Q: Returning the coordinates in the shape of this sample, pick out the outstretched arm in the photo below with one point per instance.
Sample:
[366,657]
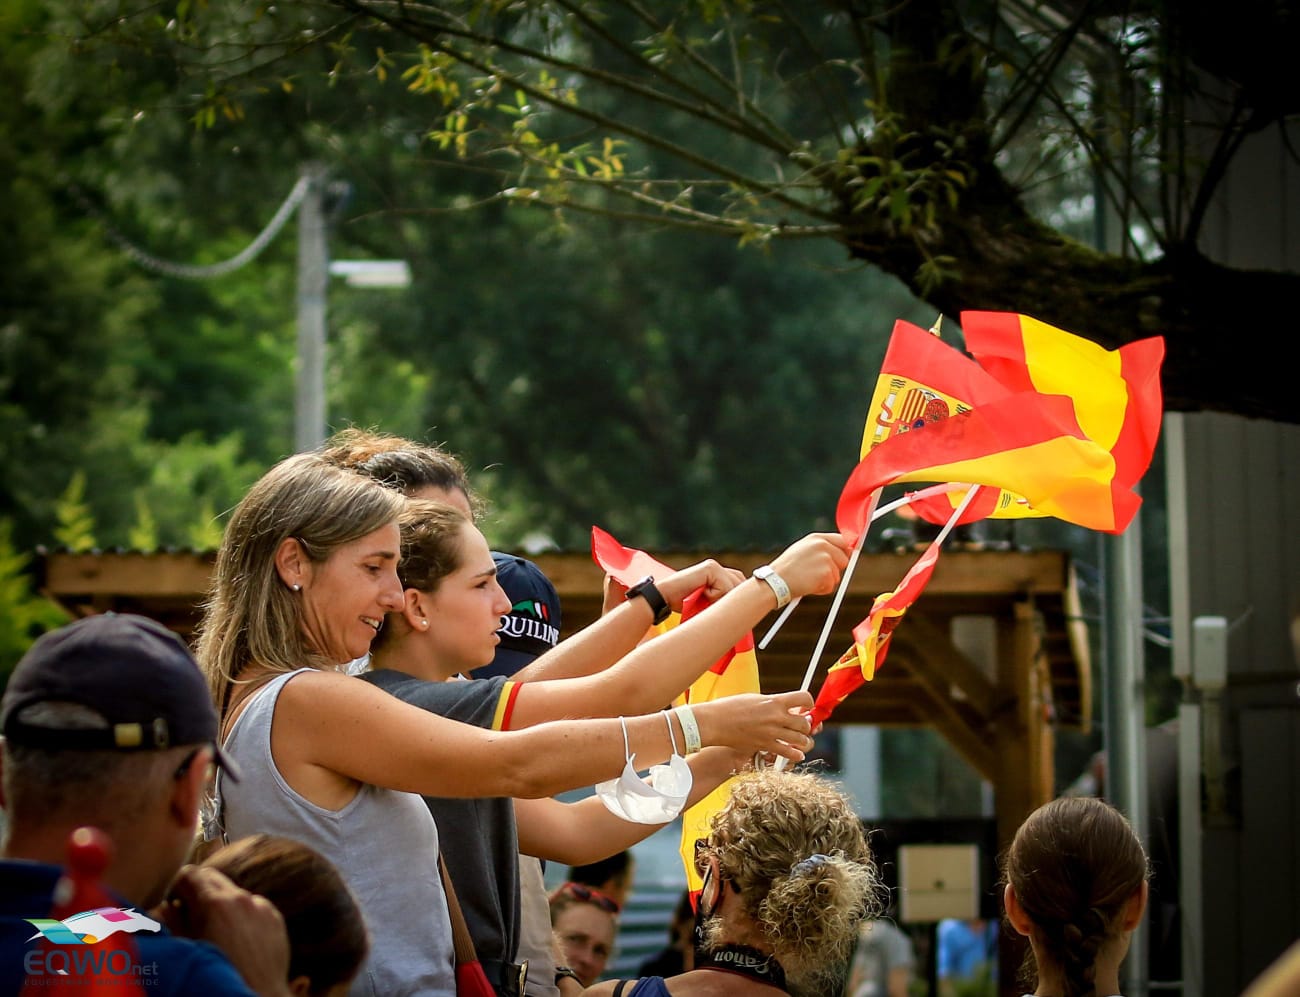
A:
[332,730]
[654,673]
[618,630]
[585,831]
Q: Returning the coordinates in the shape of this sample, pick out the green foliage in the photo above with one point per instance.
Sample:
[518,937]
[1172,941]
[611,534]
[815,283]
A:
[24,615]
[187,482]
[590,364]
[978,984]
[76,529]
[926,777]
[143,534]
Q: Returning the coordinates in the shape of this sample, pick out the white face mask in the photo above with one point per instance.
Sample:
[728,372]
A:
[658,798]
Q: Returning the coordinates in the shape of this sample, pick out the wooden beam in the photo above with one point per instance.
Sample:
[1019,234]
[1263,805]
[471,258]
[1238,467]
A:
[156,575]
[942,668]
[170,586]
[978,574]
[960,725]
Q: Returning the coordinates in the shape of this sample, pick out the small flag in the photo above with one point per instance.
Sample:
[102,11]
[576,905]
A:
[86,944]
[871,637]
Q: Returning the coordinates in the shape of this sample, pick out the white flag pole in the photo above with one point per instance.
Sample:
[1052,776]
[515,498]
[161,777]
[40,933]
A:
[839,593]
[848,570]
[884,510]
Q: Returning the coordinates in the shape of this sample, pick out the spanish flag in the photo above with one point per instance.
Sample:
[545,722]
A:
[871,637]
[735,672]
[1025,443]
[1117,398]
[936,416]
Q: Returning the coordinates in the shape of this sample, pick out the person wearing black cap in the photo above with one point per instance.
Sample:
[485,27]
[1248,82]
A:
[108,724]
[529,630]
[532,627]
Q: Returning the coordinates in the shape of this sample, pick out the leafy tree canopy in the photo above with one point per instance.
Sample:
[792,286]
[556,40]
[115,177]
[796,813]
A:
[925,137]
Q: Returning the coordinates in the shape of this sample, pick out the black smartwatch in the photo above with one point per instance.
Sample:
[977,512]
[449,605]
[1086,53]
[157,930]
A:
[647,590]
[562,971]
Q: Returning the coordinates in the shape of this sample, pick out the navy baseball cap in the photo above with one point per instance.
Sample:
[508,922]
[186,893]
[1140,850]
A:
[132,672]
[532,626]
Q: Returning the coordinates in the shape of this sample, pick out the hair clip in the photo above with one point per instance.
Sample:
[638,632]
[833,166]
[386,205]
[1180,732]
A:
[808,866]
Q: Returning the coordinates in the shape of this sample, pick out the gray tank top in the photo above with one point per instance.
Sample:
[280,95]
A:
[384,844]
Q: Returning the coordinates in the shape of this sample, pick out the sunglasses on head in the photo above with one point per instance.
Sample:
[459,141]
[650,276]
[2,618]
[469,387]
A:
[586,894]
[700,845]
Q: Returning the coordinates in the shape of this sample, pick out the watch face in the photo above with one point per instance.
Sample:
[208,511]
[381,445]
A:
[638,587]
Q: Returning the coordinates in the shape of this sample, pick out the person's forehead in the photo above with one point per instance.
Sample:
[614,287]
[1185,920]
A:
[453,497]
[588,921]
[473,545]
[385,541]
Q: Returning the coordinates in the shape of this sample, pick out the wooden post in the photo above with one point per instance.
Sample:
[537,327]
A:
[1023,745]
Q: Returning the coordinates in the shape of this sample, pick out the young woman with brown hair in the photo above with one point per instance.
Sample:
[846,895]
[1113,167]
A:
[1076,887]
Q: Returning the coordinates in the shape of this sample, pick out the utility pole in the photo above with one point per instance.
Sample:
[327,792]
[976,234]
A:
[1124,713]
[313,275]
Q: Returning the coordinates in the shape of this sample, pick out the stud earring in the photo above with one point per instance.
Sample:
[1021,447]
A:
[296,587]
[425,624]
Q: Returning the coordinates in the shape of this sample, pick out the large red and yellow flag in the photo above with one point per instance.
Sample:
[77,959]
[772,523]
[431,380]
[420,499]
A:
[1047,424]
[871,637]
[1116,394]
[937,416]
[1025,443]
[735,672]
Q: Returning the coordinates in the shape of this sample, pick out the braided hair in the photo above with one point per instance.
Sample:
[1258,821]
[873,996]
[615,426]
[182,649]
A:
[1074,864]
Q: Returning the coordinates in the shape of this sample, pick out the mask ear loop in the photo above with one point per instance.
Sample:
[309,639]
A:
[627,749]
[672,738]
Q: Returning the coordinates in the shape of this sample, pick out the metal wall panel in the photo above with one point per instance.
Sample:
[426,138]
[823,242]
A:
[1233,543]
[1270,815]
[1234,484]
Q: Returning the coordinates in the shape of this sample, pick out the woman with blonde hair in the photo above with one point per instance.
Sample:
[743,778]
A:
[1076,887]
[788,877]
[304,577]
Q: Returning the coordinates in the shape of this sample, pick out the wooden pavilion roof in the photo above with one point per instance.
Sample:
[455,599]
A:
[925,680]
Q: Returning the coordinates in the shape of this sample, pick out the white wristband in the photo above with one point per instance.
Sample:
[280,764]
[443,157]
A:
[690,729]
[779,588]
